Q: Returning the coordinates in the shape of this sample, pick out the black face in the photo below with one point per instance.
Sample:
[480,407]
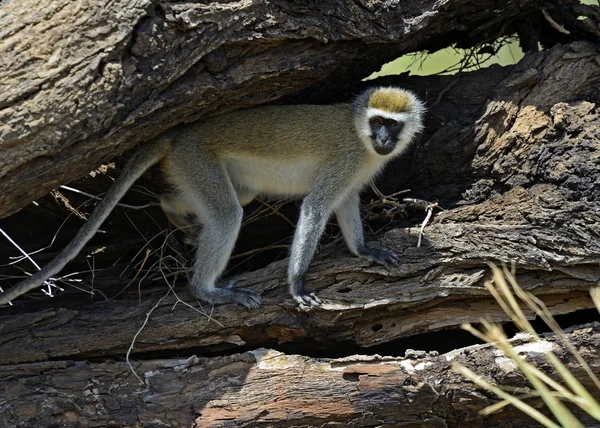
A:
[384,134]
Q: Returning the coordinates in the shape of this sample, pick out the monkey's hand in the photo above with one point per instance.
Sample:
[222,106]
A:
[385,257]
[228,294]
[306,299]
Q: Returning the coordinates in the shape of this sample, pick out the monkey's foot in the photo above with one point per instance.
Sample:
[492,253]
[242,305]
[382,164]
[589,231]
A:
[190,241]
[307,301]
[216,296]
[385,257]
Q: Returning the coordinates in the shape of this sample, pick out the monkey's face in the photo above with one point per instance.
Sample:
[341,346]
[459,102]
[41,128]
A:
[387,119]
[385,133]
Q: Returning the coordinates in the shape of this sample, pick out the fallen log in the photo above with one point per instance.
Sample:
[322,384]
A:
[510,154]
[519,178]
[266,387]
[80,83]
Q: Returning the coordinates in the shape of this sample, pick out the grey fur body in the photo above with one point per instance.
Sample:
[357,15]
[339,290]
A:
[215,167]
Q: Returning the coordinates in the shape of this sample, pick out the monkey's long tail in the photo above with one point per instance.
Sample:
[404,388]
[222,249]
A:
[149,154]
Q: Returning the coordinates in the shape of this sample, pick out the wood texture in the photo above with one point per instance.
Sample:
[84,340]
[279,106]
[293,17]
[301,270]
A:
[511,154]
[81,82]
[269,388]
[522,175]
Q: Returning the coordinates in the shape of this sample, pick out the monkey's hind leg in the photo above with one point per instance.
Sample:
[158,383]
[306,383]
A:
[208,189]
[181,215]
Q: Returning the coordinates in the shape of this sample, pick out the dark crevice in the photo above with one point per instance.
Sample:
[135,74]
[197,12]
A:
[441,341]
[351,377]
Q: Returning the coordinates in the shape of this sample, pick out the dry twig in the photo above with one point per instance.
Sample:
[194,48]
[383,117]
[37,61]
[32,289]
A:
[553,23]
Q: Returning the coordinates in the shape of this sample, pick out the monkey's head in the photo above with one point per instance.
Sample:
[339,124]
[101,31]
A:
[387,119]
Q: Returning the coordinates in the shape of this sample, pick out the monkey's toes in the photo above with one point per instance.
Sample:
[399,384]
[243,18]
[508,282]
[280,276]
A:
[246,297]
[307,301]
[231,284]
[242,296]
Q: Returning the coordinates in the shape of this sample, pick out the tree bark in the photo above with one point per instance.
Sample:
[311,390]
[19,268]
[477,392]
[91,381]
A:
[523,180]
[510,153]
[81,82]
[270,388]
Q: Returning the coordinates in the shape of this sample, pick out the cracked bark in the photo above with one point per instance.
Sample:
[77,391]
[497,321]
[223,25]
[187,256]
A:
[80,84]
[527,193]
[511,153]
[270,388]
[519,196]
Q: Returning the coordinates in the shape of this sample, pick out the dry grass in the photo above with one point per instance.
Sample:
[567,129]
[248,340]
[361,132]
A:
[510,296]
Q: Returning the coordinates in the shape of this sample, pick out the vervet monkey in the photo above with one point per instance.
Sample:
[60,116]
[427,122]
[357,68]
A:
[326,153]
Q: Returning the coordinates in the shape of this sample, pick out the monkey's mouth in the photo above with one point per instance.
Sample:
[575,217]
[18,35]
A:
[383,147]
[383,141]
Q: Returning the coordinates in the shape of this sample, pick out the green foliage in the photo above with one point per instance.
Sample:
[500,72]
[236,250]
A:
[505,51]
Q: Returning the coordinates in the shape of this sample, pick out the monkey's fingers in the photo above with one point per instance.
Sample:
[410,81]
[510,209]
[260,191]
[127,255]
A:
[390,258]
[386,257]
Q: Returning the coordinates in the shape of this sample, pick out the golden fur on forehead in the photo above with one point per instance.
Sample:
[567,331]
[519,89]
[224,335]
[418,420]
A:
[391,100]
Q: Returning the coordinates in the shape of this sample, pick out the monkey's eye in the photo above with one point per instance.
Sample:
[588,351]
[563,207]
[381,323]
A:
[392,123]
[377,121]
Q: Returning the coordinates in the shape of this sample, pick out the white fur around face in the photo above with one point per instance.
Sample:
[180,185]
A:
[400,117]
[413,124]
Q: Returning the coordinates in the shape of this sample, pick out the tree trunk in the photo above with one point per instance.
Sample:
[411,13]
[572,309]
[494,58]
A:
[523,179]
[81,83]
[510,153]
[269,388]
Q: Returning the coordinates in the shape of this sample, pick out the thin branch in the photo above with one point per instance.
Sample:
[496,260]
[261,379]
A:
[20,249]
[138,333]
[427,218]
[98,198]
[553,23]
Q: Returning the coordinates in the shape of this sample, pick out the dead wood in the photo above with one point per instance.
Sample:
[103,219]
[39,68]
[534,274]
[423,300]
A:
[520,180]
[269,388]
[82,82]
[510,153]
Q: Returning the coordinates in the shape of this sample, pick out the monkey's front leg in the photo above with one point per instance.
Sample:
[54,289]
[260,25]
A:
[314,213]
[348,216]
